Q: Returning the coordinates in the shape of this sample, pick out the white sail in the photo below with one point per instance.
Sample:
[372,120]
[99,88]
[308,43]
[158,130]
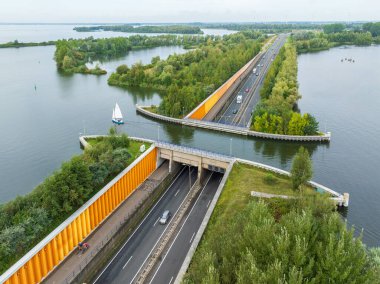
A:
[113,113]
[117,113]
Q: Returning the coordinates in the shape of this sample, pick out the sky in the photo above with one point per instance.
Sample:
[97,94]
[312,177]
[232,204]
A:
[127,11]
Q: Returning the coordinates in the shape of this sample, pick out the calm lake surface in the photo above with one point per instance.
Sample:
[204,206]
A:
[39,33]
[39,128]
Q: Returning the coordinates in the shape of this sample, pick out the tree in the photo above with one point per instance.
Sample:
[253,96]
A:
[333,28]
[301,170]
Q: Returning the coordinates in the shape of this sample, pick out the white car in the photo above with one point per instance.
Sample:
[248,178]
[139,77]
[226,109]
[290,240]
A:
[165,217]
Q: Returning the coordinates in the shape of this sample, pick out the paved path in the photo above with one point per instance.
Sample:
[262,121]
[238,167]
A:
[73,260]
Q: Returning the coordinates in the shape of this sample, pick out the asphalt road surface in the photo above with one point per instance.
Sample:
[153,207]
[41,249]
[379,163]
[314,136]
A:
[167,270]
[246,89]
[129,260]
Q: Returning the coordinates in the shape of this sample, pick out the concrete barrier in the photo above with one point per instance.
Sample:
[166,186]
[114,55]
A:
[325,137]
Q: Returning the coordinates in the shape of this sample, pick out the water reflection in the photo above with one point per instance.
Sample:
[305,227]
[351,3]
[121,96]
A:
[283,150]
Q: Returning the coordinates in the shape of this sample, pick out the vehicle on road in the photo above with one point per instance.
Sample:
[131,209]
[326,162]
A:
[239,99]
[254,70]
[234,111]
[165,217]
[257,74]
[247,90]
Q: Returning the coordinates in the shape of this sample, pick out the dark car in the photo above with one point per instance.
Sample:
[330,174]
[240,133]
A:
[165,217]
[234,111]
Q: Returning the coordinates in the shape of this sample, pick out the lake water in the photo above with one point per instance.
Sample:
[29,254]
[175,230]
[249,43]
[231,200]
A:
[39,33]
[39,128]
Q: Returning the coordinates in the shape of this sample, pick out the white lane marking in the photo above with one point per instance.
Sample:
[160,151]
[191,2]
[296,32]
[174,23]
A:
[179,230]
[176,193]
[192,237]
[208,203]
[171,279]
[127,261]
[155,223]
[159,238]
[138,227]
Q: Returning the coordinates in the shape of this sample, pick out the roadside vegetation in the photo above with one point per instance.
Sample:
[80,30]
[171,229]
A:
[72,55]
[300,240]
[336,35]
[27,219]
[189,78]
[164,29]
[275,113]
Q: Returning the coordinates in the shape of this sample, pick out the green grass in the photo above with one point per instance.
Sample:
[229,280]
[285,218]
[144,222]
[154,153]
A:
[152,109]
[246,178]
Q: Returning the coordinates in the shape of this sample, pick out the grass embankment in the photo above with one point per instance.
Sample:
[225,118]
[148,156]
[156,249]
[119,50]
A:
[245,178]
[275,240]
[27,219]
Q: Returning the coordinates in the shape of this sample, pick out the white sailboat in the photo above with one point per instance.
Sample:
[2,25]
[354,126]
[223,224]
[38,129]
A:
[117,117]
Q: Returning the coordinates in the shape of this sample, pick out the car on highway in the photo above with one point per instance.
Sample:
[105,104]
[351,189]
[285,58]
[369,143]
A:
[247,90]
[165,217]
[234,111]
[257,74]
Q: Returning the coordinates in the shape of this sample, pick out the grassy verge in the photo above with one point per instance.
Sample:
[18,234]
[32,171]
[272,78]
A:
[245,178]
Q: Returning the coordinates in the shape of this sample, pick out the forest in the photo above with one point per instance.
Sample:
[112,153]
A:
[26,220]
[189,78]
[72,55]
[335,35]
[279,95]
[297,241]
[164,29]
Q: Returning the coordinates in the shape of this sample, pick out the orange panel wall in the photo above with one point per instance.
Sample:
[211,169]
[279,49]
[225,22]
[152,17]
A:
[65,241]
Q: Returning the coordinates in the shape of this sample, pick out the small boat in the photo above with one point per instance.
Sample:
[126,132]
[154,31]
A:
[117,117]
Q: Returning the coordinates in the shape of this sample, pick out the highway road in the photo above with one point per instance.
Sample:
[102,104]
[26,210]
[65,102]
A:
[129,260]
[239,114]
[167,270]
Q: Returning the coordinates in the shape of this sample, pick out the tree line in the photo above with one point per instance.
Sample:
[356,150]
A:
[189,78]
[335,35]
[300,240]
[164,29]
[279,95]
[26,220]
[72,55]
[17,44]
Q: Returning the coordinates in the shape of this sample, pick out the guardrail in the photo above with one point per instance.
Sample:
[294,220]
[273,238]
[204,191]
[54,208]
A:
[325,137]
[193,151]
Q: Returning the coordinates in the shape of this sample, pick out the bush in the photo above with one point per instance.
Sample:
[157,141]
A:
[270,179]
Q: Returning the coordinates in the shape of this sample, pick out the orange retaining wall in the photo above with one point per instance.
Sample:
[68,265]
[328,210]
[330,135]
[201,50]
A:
[200,112]
[35,265]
